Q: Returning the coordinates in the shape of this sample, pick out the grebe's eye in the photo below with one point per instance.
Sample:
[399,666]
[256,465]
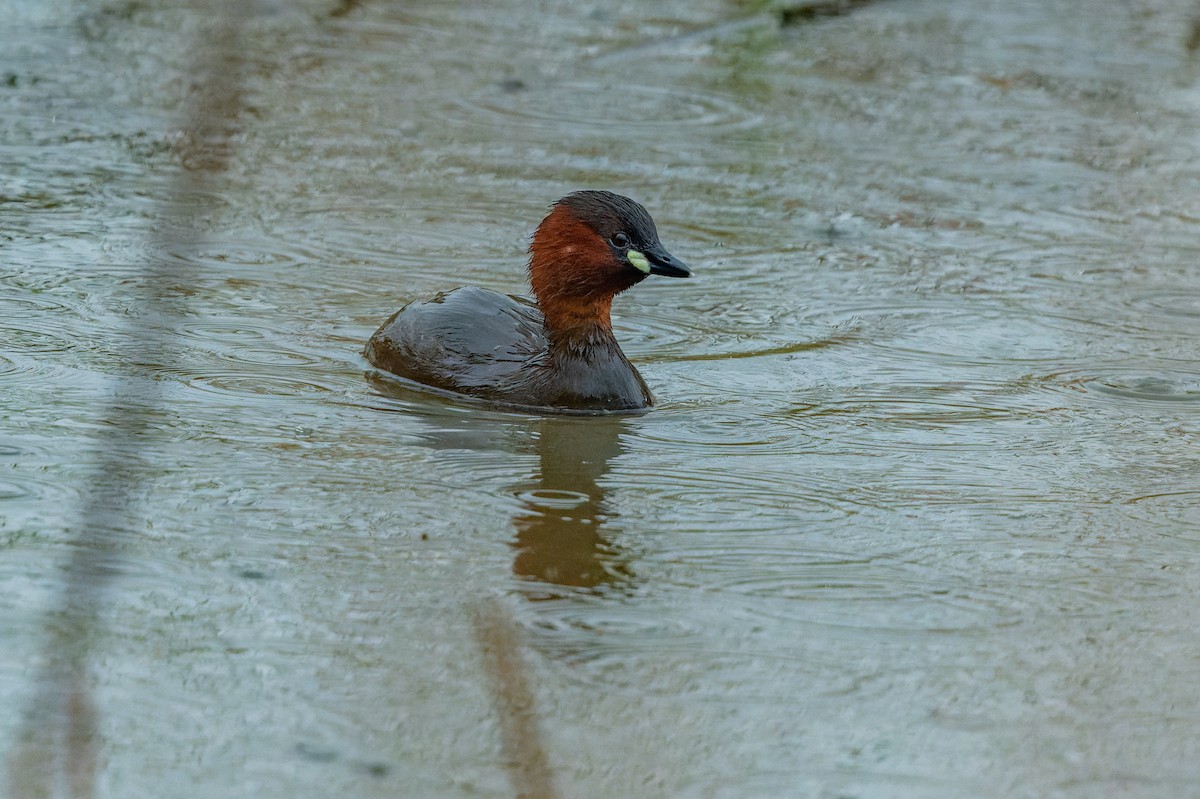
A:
[620,240]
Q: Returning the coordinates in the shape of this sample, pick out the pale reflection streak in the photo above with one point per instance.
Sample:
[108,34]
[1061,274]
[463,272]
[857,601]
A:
[56,750]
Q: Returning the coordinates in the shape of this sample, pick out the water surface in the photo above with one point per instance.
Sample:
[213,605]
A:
[917,512]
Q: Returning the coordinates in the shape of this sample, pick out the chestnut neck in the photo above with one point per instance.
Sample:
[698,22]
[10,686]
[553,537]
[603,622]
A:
[574,276]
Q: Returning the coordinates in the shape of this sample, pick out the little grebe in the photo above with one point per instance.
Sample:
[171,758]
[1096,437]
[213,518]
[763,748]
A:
[558,352]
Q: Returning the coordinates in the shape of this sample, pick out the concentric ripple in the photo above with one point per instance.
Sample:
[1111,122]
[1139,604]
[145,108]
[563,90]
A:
[25,340]
[958,333]
[259,385]
[1158,384]
[366,246]
[553,499]
[569,108]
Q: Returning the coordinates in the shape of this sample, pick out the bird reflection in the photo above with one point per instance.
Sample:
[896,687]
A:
[560,537]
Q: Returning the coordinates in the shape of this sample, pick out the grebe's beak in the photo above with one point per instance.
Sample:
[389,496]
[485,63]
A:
[663,263]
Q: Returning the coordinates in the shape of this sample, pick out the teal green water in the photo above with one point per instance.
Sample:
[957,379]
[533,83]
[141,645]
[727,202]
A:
[916,514]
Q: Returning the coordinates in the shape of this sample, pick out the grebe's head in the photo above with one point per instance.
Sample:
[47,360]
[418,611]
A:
[592,245]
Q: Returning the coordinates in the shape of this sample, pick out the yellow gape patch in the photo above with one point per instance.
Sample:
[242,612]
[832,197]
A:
[638,261]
